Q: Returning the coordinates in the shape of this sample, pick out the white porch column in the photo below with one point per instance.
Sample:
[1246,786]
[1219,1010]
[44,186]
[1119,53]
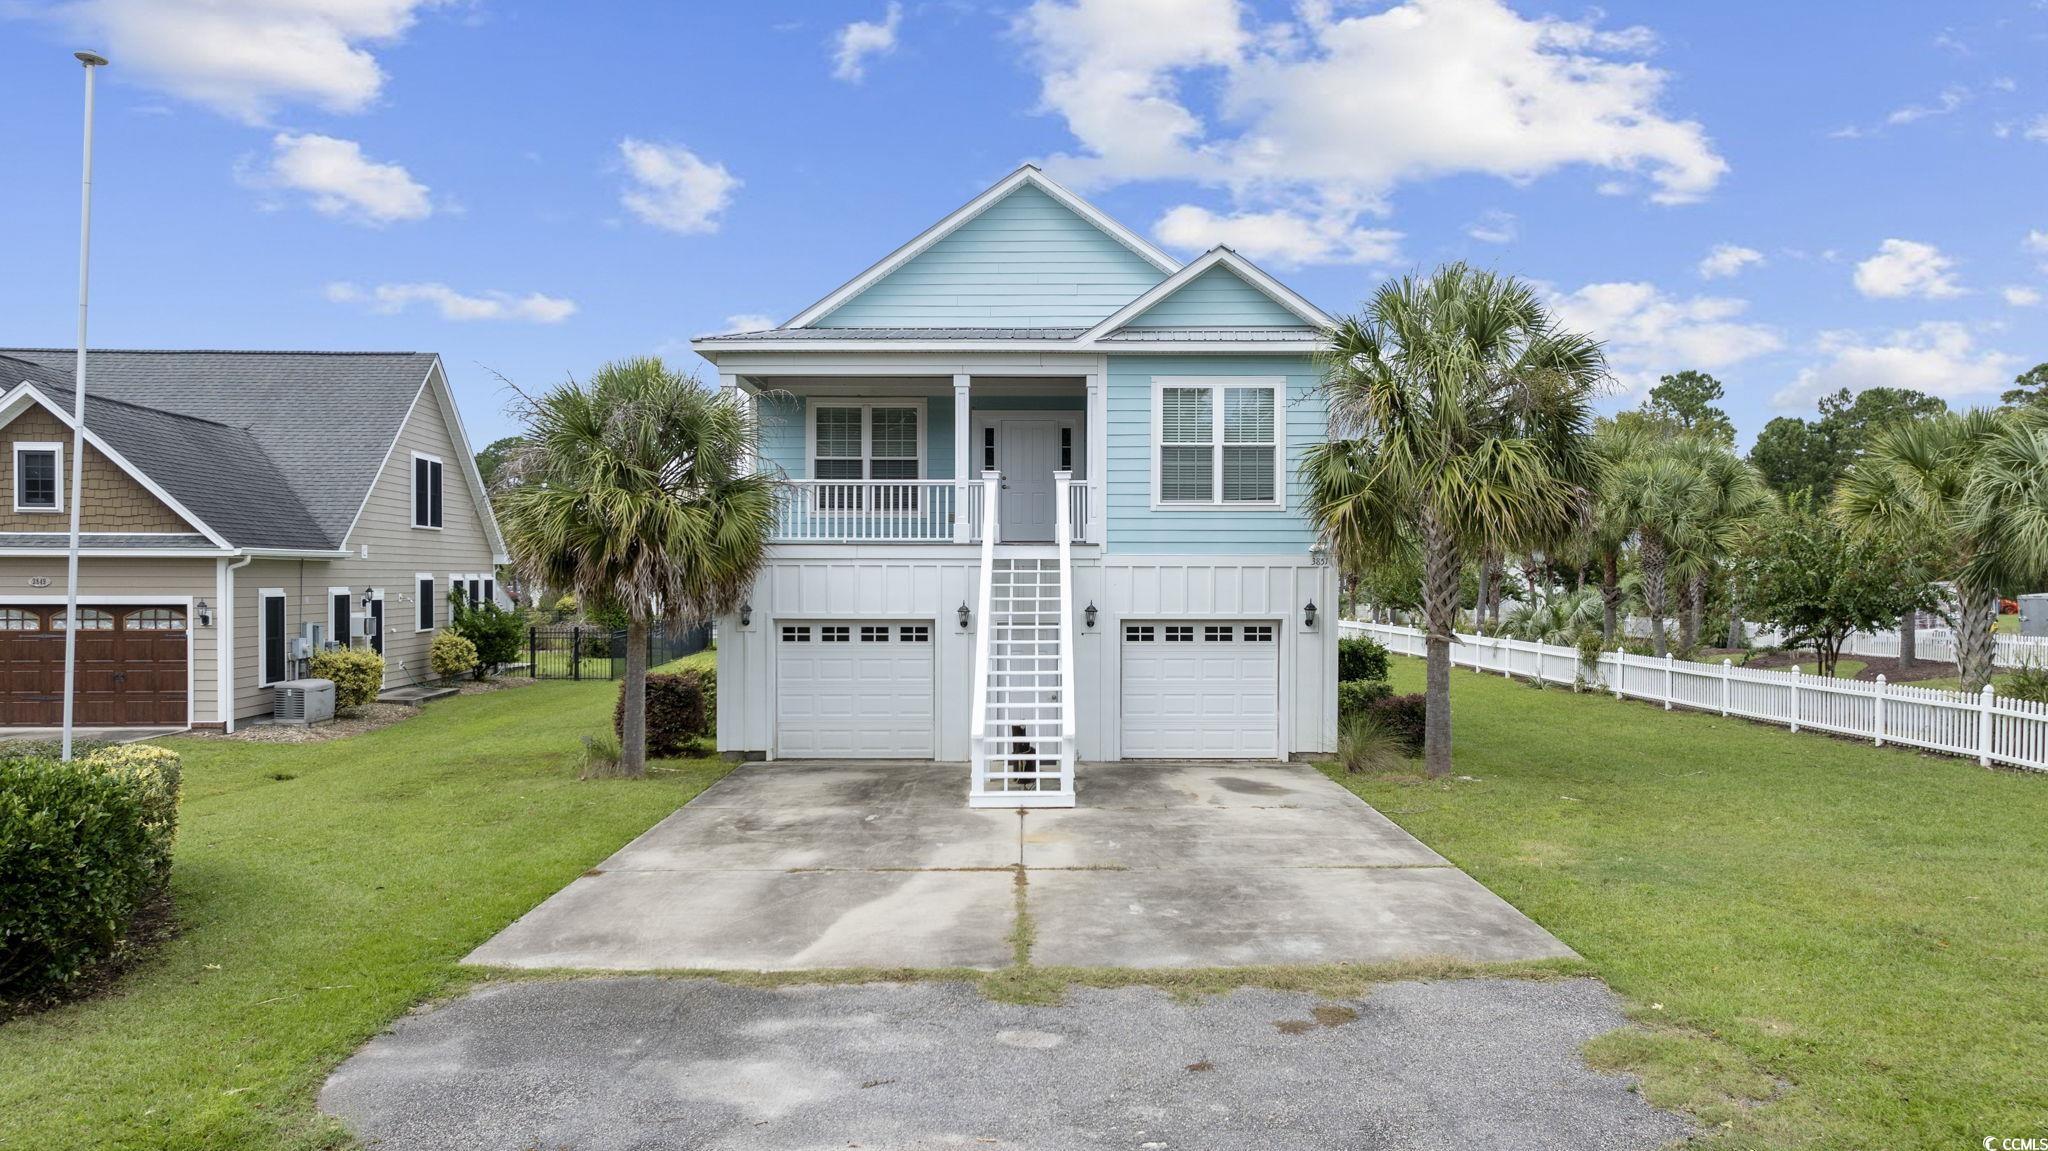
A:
[1098,456]
[962,453]
[729,383]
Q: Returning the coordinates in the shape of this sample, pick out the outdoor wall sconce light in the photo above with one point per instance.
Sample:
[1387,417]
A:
[964,614]
[1089,612]
[1308,614]
[369,597]
[204,612]
[746,613]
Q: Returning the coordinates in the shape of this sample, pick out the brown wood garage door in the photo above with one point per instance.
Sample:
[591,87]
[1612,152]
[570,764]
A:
[131,666]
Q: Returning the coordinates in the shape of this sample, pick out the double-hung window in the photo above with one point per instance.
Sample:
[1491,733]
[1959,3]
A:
[1218,442]
[38,469]
[873,442]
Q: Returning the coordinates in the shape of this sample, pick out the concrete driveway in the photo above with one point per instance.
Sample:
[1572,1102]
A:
[789,867]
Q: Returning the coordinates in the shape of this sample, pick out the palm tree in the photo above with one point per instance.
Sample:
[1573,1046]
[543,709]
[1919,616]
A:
[1730,497]
[1606,542]
[1651,494]
[1974,486]
[1459,411]
[638,491]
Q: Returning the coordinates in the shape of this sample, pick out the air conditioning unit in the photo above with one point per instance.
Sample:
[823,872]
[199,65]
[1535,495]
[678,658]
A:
[304,701]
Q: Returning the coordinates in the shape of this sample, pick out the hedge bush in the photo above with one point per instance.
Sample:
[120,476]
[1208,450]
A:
[1360,658]
[681,708]
[1404,715]
[357,673]
[1355,695]
[451,655]
[499,634]
[82,846]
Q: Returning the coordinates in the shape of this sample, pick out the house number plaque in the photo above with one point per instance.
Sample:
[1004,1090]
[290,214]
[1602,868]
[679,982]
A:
[39,581]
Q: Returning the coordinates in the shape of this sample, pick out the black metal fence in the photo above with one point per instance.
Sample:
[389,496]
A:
[581,651]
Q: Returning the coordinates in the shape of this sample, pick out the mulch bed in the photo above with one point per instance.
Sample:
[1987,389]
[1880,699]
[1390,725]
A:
[1873,666]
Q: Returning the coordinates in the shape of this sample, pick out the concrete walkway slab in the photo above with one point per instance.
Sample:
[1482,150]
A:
[611,1064]
[788,867]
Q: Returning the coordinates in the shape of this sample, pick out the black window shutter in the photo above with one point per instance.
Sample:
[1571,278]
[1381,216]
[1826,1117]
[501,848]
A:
[422,498]
[273,638]
[426,603]
[435,488]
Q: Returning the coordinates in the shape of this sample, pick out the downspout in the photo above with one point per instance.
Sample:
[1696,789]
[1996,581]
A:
[224,639]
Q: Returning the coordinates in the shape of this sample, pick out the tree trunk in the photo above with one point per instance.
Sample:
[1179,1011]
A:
[1909,641]
[1654,560]
[1699,610]
[1688,607]
[1479,599]
[1440,571]
[1974,644]
[633,720]
[1734,616]
[1610,597]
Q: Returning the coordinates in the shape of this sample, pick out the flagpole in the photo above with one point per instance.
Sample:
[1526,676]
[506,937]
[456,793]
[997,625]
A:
[91,61]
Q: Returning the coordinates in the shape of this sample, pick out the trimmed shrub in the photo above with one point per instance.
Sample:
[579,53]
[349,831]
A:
[1355,695]
[1360,658]
[451,654]
[499,634]
[357,673]
[82,846]
[681,707]
[1403,715]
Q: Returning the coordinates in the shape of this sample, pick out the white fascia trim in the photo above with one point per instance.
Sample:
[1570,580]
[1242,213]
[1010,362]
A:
[955,347]
[31,392]
[295,553]
[1028,174]
[118,553]
[452,416]
[1271,288]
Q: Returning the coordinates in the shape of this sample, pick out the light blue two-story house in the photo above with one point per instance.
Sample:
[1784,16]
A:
[1041,506]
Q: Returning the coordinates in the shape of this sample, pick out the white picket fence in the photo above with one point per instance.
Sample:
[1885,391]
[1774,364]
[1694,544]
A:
[1983,727]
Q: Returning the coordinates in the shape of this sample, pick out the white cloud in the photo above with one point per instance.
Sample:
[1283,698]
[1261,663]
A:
[2037,128]
[2036,244]
[745,322]
[1648,332]
[673,189]
[1907,268]
[246,58]
[2021,296]
[340,181]
[391,299]
[1325,116]
[862,39]
[1493,227]
[1282,238]
[1941,359]
[1727,260]
[1951,98]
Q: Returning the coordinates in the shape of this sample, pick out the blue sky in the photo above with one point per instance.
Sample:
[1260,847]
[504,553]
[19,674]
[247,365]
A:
[1795,197]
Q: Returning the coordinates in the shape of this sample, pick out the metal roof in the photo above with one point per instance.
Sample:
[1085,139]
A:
[800,335]
[1214,335]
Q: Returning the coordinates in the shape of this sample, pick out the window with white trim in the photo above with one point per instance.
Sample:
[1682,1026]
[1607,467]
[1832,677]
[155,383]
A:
[1218,443]
[425,609]
[271,664]
[38,477]
[876,442]
[426,490]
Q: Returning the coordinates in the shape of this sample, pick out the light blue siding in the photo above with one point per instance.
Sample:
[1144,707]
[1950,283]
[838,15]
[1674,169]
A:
[938,438]
[1026,261]
[1217,298]
[1135,528]
[782,419]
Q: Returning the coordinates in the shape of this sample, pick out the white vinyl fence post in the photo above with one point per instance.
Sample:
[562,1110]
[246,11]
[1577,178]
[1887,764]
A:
[1668,663]
[1620,667]
[1984,728]
[1795,697]
[1880,709]
[1727,673]
[1507,658]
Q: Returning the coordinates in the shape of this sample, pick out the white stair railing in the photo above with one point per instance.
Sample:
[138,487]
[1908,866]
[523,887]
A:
[1063,482]
[1023,722]
[977,727]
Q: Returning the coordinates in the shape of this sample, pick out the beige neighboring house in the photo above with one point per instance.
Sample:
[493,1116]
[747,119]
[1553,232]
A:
[234,502]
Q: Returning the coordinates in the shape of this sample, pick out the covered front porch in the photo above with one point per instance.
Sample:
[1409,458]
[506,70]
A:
[895,459]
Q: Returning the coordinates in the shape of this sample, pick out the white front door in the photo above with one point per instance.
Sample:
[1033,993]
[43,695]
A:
[1027,453]
[1200,690]
[852,689]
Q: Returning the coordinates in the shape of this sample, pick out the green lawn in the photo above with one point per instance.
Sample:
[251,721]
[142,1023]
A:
[1867,927]
[318,907]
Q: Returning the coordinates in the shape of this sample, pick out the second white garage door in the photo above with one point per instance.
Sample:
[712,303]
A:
[1201,690]
[852,690]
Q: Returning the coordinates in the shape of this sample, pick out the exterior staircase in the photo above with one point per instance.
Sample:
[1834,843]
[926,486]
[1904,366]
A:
[1023,727]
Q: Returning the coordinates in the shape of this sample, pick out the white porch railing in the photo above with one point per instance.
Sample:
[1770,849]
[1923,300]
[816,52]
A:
[1983,727]
[881,511]
[1077,519]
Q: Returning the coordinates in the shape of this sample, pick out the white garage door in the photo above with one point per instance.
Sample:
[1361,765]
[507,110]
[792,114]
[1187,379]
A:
[1201,690]
[847,689]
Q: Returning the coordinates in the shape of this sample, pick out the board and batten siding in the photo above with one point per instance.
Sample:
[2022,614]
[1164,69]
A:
[1135,527]
[1218,298]
[397,552]
[1025,261]
[140,581]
